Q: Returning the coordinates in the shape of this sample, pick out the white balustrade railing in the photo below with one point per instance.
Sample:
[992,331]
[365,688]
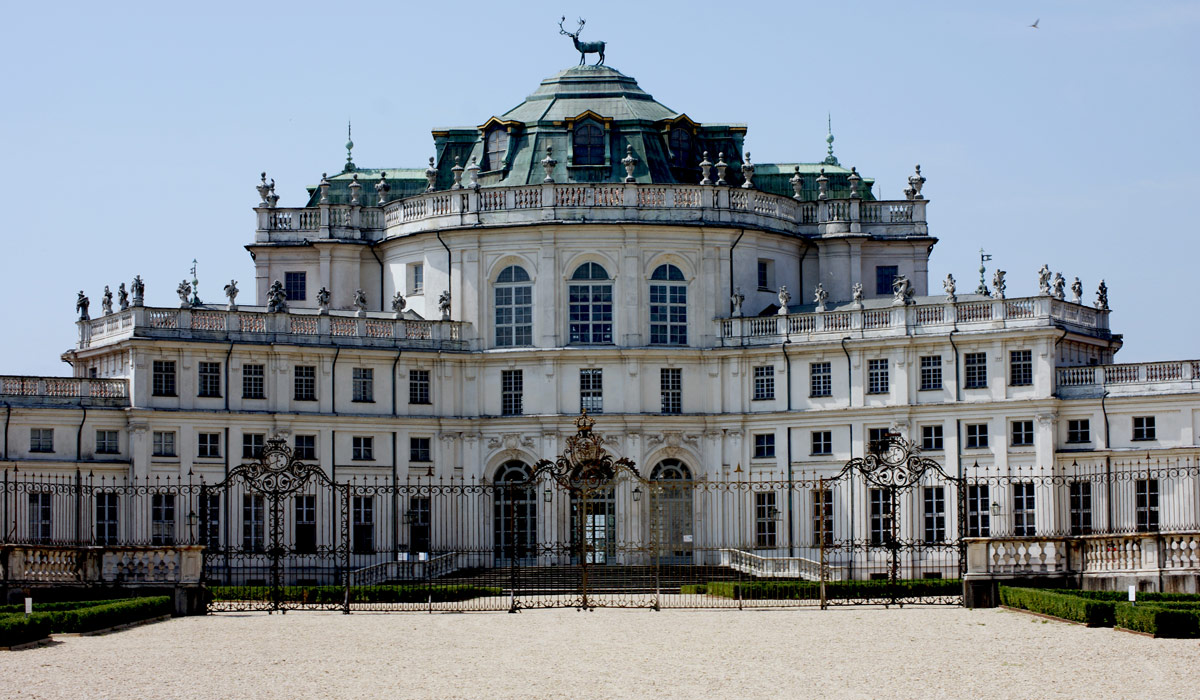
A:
[777,567]
[179,564]
[1090,555]
[64,387]
[1129,377]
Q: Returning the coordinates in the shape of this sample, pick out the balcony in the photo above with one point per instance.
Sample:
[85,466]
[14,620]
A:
[254,324]
[64,391]
[613,202]
[1128,379]
[936,316]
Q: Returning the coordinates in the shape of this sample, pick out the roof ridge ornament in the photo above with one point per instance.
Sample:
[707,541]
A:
[430,175]
[457,170]
[583,47]
[797,184]
[350,166]
[629,162]
[830,159]
[721,166]
[548,164]
[382,188]
[748,173]
[706,170]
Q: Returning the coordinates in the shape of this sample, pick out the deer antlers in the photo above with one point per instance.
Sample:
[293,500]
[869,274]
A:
[579,29]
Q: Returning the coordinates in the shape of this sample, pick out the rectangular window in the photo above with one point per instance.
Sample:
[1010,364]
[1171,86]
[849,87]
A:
[822,442]
[416,278]
[512,392]
[253,382]
[304,379]
[418,527]
[164,443]
[1143,427]
[208,445]
[163,378]
[210,521]
[1024,522]
[1022,433]
[208,380]
[822,516]
[884,276]
[295,286]
[764,446]
[162,519]
[1079,430]
[108,442]
[935,514]
[877,377]
[764,383]
[418,386]
[363,508]
[40,520]
[591,390]
[975,370]
[766,516]
[1146,504]
[820,379]
[418,449]
[107,509]
[931,373]
[363,385]
[306,524]
[979,511]
[1020,368]
[363,448]
[881,516]
[977,435]
[931,438]
[670,382]
[1080,501]
[41,439]
[766,274]
[252,445]
[253,522]
[306,447]
[877,440]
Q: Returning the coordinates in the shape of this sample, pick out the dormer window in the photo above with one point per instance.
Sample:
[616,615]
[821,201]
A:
[496,147]
[588,145]
[681,147]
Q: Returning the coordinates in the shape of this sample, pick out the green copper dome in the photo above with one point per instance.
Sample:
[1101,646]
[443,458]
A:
[600,89]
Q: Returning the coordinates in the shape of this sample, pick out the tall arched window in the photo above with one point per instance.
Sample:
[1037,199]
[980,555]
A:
[588,145]
[590,299]
[668,306]
[671,504]
[681,147]
[514,308]
[514,515]
[495,149]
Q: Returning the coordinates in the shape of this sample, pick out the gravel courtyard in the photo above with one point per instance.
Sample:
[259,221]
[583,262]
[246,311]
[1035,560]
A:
[845,653]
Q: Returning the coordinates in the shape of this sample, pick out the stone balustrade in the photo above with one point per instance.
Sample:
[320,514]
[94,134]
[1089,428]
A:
[777,567]
[67,390]
[1137,378]
[254,324]
[115,565]
[937,316]
[593,203]
[1127,557]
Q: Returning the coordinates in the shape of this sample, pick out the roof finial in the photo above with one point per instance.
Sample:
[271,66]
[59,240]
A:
[350,166]
[830,159]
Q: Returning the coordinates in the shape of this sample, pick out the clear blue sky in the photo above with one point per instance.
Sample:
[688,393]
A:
[133,135]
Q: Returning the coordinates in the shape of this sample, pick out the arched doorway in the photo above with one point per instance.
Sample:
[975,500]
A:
[671,511]
[514,515]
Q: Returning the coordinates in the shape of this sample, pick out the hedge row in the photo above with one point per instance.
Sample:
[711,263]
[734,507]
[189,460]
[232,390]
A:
[1119,596]
[16,628]
[1158,620]
[804,590]
[335,595]
[49,607]
[1093,613]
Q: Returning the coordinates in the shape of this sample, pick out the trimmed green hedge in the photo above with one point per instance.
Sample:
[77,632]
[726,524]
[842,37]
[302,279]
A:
[804,590]
[1093,613]
[18,629]
[49,607]
[1159,621]
[335,595]
[1123,596]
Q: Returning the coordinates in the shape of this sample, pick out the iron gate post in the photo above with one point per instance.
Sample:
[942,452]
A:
[824,572]
[346,518]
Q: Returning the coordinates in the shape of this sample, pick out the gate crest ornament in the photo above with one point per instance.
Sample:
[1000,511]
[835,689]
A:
[277,472]
[584,462]
[893,462]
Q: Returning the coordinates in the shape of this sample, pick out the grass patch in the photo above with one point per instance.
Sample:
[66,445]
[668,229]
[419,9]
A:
[335,595]
[697,589]
[835,590]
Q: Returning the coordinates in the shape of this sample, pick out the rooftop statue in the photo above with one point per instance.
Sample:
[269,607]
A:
[903,292]
[820,296]
[106,301]
[950,287]
[231,291]
[184,290]
[784,298]
[323,300]
[1077,291]
[1059,287]
[122,297]
[583,47]
[81,305]
[1044,281]
[139,290]
[1102,296]
[444,305]
[360,302]
[998,285]
[737,298]
[276,299]
[857,292]
[398,304]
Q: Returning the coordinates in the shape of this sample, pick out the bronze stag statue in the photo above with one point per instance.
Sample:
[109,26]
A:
[583,47]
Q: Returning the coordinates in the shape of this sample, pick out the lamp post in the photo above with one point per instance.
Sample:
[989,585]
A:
[192,520]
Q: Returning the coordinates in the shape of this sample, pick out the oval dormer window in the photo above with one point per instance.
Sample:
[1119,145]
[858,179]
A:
[497,147]
[588,145]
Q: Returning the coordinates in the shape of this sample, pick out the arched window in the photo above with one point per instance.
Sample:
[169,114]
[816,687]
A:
[514,308]
[590,299]
[681,147]
[668,306]
[514,515]
[588,145]
[671,504]
[496,147]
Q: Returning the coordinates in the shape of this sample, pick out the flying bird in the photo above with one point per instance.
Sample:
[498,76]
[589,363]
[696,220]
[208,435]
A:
[1035,22]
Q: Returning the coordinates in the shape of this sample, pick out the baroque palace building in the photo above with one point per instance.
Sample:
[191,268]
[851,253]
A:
[593,249]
